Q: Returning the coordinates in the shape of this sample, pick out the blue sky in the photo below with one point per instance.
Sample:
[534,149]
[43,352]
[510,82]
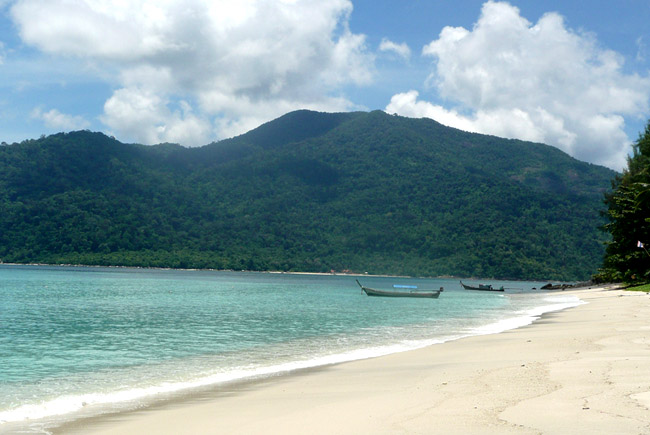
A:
[567,73]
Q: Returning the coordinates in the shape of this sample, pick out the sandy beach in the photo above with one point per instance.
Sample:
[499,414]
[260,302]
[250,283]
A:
[581,370]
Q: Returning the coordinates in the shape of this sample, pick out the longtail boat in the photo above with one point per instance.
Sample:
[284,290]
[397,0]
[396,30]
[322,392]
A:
[485,287]
[408,292]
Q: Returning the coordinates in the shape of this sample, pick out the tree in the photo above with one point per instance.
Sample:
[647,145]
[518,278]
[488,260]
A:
[626,257]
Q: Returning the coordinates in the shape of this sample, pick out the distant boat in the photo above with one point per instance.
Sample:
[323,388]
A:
[485,287]
[410,291]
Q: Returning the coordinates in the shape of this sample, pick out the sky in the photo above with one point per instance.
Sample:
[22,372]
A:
[571,74]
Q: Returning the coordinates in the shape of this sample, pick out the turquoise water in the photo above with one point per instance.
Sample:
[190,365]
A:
[82,341]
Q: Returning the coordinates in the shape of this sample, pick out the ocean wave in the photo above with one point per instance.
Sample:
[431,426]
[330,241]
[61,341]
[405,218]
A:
[528,316]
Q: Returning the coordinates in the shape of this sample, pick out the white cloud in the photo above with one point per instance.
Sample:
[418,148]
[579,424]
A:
[541,82]
[98,28]
[407,104]
[146,116]
[216,57]
[402,50]
[60,121]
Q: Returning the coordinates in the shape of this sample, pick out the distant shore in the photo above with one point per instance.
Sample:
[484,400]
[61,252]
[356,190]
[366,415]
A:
[279,272]
[581,370]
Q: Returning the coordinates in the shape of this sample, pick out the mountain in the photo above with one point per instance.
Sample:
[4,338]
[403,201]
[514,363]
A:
[365,192]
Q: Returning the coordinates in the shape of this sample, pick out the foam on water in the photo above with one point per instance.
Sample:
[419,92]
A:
[72,403]
[526,317]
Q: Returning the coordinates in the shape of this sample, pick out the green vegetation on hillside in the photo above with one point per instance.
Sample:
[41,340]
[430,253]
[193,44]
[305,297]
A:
[629,219]
[365,192]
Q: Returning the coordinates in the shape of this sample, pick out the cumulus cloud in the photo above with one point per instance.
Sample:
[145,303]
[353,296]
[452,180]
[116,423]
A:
[402,50]
[147,116]
[194,70]
[542,82]
[407,104]
[60,121]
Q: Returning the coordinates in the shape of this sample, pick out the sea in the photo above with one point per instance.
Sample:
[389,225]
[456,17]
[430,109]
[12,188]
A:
[80,342]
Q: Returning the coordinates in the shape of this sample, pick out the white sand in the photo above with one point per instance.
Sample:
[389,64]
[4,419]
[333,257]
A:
[583,370]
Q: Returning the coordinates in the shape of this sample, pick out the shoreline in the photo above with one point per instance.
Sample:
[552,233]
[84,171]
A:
[584,369]
[275,272]
[282,272]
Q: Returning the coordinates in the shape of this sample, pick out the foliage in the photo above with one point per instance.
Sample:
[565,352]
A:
[629,219]
[365,192]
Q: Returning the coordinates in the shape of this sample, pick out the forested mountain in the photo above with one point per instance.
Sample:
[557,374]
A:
[365,192]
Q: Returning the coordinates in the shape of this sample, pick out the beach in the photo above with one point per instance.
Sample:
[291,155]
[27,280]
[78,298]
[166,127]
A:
[581,370]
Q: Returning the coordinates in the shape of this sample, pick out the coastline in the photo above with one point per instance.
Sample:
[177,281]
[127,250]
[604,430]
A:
[584,369]
[273,272]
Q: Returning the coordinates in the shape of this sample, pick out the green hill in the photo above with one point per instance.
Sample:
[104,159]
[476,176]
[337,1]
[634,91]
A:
[365,192]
